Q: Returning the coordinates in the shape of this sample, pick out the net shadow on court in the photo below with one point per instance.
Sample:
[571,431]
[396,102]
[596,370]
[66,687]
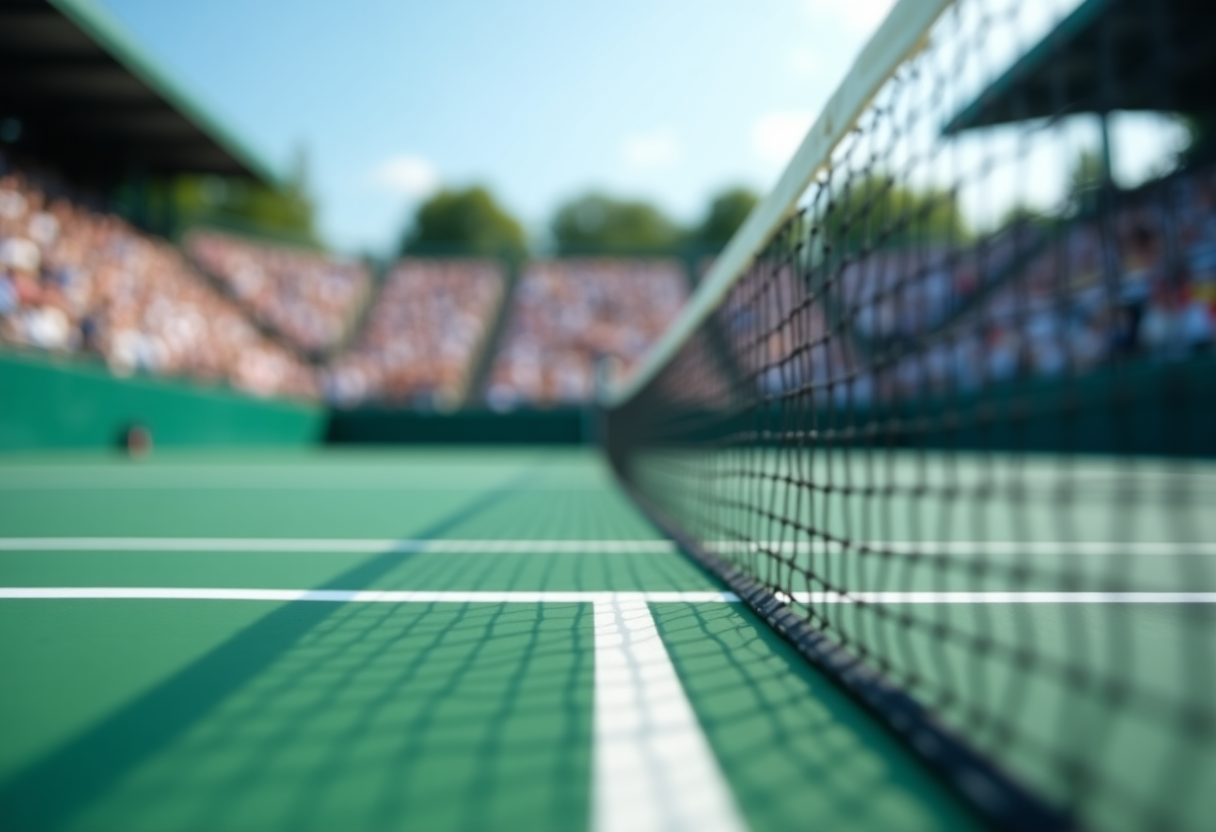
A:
[950,433]
[778,725]
[67,783]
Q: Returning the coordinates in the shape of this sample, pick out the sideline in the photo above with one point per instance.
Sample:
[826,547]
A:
[653,767]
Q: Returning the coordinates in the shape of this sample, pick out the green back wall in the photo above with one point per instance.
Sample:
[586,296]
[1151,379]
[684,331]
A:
[49,403]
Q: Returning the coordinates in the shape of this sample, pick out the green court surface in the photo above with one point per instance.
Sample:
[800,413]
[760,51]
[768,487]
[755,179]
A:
[447,711]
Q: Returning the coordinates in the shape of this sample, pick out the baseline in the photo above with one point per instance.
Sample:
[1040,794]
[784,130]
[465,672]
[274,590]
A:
[342,545]
[581,597]
[342,596]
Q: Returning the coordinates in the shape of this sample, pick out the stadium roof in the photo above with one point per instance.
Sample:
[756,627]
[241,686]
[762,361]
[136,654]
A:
[88,96]
[1059,76]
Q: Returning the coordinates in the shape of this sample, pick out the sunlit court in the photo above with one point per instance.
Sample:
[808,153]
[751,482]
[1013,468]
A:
[823,440]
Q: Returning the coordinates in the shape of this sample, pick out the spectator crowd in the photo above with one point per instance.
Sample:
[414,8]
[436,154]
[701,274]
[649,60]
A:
[309,297]
[568,315]
[76,280]
[1086,293]
[1146,288]
[1031,301]
[900,294]
[421,336]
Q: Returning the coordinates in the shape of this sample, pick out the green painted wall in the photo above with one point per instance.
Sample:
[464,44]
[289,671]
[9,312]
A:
[1138,408]
[60,403]
[567,426]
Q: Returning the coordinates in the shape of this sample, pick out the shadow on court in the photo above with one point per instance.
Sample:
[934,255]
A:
[350,700]
[798,752]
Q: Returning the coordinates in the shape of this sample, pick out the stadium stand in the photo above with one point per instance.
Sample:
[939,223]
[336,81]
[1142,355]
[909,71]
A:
[1152,296]
[566,315]
[1158,302]
[309,297]
[902,293]
[78,280]
[87,96]
[88,112]
[422,333]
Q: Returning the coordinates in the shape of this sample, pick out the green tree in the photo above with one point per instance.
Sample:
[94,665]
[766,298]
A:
[725,214]
[1020,214]
[875,211]
[1200,144]
[285,213]
[468,221]
[600,224]
[1085,179]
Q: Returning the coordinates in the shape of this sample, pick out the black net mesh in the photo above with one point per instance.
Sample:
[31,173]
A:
[952,429]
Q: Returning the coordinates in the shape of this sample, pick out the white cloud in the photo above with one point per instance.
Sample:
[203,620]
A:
[775,136]
[859,15]
[656,149]
[407,175]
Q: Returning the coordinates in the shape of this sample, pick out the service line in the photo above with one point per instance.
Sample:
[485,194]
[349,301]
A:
[339,545]
[364,596]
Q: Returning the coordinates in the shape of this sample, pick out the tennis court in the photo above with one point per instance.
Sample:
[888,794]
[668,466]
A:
[230,709]
[902,522]
[425,639]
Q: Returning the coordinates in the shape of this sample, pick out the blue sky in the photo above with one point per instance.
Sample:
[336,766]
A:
[540,99]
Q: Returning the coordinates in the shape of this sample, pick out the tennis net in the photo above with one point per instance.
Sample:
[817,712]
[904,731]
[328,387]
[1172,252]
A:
[944,410]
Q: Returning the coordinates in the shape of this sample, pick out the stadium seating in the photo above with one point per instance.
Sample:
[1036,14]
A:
[423,332]
[309,297]
[77,280]
[566,315]
[902,293]
[1160,303]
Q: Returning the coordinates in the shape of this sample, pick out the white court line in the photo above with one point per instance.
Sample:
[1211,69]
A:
[356,545]
[653,769]
[296,485]
[494,546]
[977,547]
[582,597]
[362,595]
[241,477]
[1002,597]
